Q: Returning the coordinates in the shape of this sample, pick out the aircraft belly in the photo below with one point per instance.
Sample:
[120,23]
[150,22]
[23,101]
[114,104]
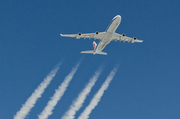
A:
[106,40]
[113,26]
[100,46]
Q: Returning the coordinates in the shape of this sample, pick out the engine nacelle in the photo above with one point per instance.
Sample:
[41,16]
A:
[123,37]
[78,35]
[133,39]
[96,33]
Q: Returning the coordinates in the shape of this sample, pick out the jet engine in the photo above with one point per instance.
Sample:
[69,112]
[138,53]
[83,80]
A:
[96,33]
[78,36]
[123,37]
[133,39]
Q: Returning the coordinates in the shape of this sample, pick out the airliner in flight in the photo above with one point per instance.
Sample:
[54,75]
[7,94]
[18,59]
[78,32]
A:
[104,37]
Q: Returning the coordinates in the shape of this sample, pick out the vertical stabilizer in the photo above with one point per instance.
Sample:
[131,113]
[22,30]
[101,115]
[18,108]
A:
[94,45]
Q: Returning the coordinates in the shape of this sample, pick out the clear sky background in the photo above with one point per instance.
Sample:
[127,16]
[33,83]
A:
[147,84]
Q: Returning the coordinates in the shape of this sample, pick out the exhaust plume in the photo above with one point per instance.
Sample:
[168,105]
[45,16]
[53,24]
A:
[31,101]
[94,102]
[77,104]
[47,111]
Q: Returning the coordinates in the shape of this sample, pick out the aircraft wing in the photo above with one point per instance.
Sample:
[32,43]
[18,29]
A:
[124,38]
[96,35]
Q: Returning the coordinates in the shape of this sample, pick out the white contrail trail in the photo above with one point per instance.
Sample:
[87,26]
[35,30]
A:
[30,103]
[47,111]
[77,104]
[85,114]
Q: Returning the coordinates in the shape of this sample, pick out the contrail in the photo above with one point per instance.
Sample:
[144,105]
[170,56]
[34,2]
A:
[85,114]
[77,104]
[47,111]
[30,103]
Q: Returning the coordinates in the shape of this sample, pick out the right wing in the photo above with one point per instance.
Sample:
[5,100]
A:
[96,35]
[124,38]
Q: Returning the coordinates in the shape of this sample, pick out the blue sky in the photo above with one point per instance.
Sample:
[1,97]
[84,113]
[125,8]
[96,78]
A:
[147,84]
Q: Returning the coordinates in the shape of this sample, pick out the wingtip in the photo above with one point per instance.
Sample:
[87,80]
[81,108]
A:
[140,41]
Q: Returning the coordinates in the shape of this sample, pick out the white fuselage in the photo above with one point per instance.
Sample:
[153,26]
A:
[109,34]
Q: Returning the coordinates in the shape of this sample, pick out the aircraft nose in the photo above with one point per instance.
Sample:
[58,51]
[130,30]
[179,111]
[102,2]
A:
[118,16]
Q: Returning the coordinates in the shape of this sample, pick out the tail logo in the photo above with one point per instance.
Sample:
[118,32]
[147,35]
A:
[94,45]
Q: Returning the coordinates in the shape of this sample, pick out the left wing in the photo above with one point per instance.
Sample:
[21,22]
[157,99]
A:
[124,38]
[97,35]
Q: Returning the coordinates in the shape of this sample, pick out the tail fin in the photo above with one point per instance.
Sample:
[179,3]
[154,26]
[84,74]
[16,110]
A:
[89,51]
[94,45]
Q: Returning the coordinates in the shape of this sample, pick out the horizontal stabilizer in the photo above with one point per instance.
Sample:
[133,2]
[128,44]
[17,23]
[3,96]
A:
[89,51]
[92,52]
[102,53]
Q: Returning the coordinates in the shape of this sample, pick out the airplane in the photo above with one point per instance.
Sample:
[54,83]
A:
[104,37]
